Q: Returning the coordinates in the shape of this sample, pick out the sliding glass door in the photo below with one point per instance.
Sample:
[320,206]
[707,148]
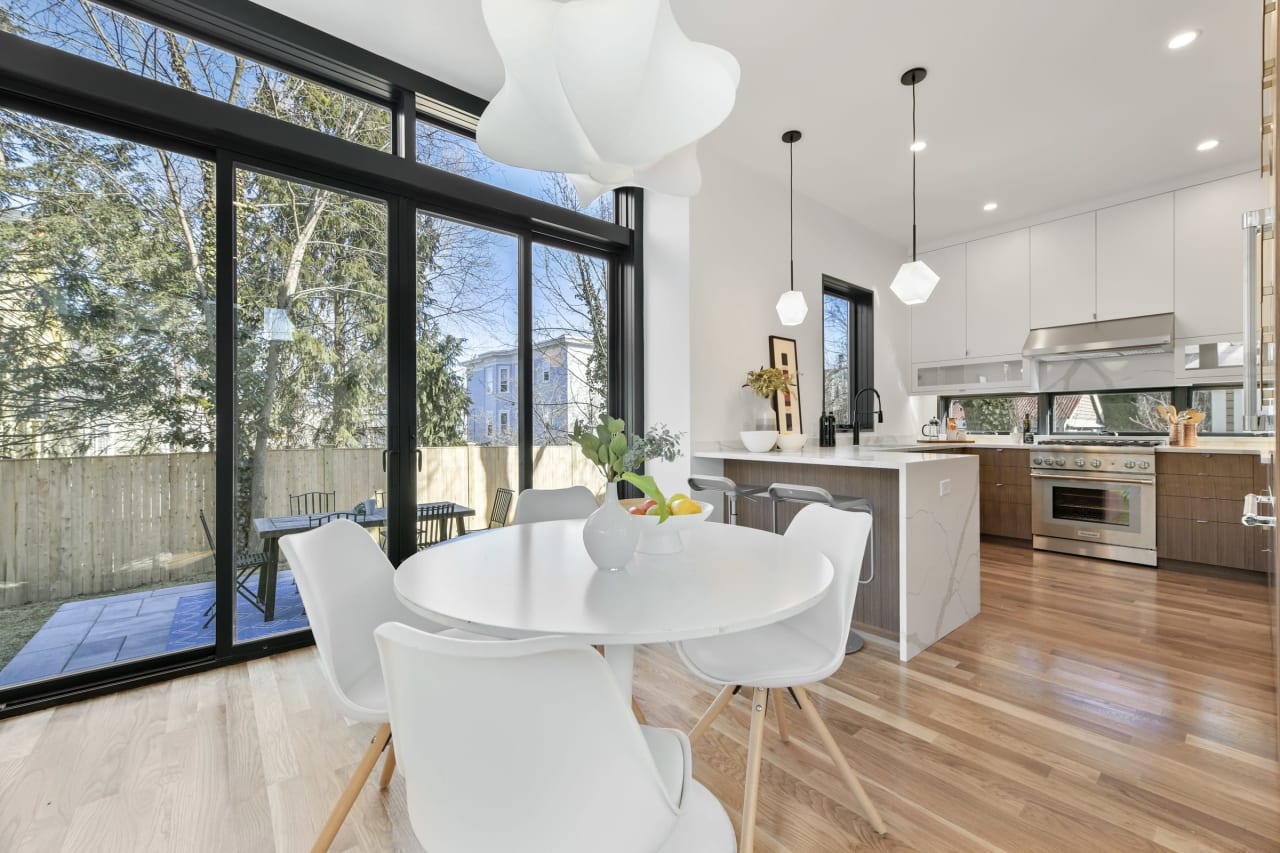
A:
[467,370]
[107,379]
[311,381]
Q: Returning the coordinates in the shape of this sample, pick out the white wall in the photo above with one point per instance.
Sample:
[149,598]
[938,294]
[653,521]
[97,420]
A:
[738,252]
[666,329]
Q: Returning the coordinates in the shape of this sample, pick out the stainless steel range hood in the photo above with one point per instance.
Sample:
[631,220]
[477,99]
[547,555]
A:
[1103,339]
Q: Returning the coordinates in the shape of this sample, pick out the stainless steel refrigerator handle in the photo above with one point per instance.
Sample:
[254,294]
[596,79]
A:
[1252,227]
[1251,517]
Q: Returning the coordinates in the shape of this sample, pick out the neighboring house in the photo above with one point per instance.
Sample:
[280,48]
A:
[561,393]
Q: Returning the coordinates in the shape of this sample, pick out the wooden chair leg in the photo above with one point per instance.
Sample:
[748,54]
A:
[779,699]
[842,765]
[635,709]
[388,767]
[755,748]
[709,716]
[348,798]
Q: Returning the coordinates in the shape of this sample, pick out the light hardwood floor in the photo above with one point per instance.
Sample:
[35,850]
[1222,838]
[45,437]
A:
[1091,707]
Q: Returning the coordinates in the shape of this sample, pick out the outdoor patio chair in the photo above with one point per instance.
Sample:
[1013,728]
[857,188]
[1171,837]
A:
[501,507]
[324,518]
[311,503]
[247,565]
[435,523]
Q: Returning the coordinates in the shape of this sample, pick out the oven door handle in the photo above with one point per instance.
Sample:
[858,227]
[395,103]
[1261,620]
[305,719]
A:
[1136,481]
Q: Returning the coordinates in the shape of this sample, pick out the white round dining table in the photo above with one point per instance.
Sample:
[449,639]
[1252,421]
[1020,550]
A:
[531,580]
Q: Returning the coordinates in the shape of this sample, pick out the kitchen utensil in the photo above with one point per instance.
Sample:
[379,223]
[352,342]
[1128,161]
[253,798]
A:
[930,430]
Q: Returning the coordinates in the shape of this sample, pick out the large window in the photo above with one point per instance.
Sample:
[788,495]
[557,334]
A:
[107,381]
[217,328]
[995,415]
[139,47]
[848,352]
[1123,412]
[1106,412]
[453,152]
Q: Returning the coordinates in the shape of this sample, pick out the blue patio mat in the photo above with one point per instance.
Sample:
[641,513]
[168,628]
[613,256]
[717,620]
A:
[93,632]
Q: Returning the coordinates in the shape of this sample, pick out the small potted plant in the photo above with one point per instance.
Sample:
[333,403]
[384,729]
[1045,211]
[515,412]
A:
[610,534]
[759,423]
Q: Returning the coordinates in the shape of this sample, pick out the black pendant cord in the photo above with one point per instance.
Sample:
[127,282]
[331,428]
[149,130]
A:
[791,188]
[913,172]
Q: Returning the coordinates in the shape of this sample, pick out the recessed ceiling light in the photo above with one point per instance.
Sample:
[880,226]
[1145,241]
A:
[1207,145]
[990,206]
[919,145]
[1183,39]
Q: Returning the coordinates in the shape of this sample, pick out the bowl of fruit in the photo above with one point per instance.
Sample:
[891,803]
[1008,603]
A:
[662,536]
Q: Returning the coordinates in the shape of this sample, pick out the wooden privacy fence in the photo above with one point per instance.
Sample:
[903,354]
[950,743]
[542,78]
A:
[99,524]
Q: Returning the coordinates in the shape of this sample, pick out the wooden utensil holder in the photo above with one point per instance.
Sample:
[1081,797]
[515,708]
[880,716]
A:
[1189,438]
[1175,435]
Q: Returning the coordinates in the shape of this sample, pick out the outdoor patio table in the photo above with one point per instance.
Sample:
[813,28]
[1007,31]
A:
[271,529]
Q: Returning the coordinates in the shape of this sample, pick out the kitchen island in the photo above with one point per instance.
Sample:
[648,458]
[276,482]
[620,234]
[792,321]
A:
[926,580]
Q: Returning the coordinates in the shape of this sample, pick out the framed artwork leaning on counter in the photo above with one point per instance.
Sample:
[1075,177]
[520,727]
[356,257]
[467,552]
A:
[786,403]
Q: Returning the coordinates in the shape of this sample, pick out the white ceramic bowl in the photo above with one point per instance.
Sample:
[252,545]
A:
[759,440]
[665,538]
[791,442]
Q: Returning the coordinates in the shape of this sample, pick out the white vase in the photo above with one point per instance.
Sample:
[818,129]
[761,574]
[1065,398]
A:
[610,534]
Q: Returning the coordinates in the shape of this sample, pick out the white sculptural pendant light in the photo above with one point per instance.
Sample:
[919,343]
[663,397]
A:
[609,92]
[914,281]
[791,305]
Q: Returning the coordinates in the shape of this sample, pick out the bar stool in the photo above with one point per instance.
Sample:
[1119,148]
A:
[790,493]
[732,490]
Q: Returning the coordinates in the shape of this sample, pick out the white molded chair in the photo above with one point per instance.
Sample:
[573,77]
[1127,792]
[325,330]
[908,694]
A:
[779,658]
[348,588]
[527,745]
[554,504]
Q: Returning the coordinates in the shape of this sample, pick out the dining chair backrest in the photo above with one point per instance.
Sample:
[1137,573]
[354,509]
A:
[501,507]
[566,764]
[554,504]
[325,518]
[311,503]
[842,537]
[435,523]
[348,588]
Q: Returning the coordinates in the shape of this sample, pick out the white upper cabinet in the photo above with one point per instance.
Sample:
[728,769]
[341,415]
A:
[997,285]
[1062,272]
[1135,258]
[937,326]
[1208,286]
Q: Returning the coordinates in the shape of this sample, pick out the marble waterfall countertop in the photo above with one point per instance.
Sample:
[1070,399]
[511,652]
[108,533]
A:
[866,456]
[933,498]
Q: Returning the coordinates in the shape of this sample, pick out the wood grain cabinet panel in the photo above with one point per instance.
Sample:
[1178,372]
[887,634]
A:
[1005,483]
[1206,464]
[1187,540]
[1199,501]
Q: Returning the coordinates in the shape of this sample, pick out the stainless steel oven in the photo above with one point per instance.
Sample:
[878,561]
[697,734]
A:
[1095,500]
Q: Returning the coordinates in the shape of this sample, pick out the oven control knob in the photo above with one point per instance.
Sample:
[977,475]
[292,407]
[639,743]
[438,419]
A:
[1130,464]
[1144,465]
[1096,463]
[1036,460]
[1079,461]
[1060,461]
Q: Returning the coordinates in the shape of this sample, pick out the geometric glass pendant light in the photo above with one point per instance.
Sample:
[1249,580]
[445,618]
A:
[611,93]
[791,305]
[915,281]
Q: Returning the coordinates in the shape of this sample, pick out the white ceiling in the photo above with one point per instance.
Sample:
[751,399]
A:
[1041,106]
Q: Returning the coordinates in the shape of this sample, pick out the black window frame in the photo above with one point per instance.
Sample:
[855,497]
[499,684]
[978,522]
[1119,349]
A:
[60,86]
[862,353]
